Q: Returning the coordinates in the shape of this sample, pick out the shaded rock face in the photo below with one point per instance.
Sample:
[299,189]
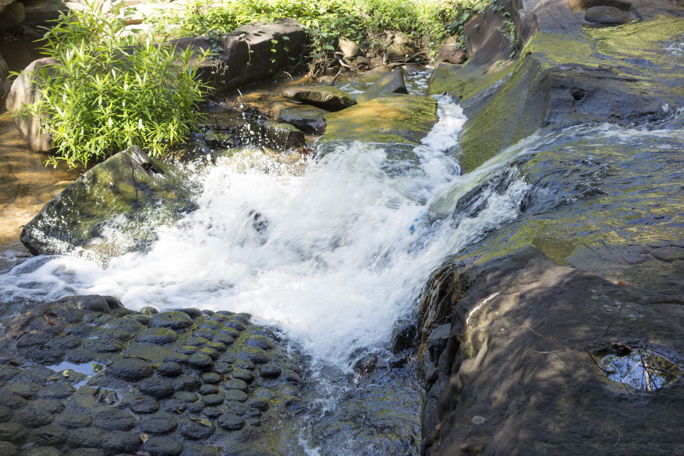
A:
[4,83]
[397,123]
[22,94]
[171,383]
[126,191]
[607,15]
[251,53]
[512,350]
[388,84]
[12,16]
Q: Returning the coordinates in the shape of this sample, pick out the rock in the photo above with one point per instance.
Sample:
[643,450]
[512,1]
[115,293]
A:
[607,15]
[24,93]
[12,16]
[399,46]
[126,190]
[162,446]
[172,320]
[309,119]
[324,97]
[348,48]
[158,423]
[389,83]
[250,53]
[231,422]
[130,369]
[278,135]
[159,336]
[450,51]
[169,369]
[8,449]
[42,12]
[114,420]
[669,253]
[396,123]
[270,371]
[528,335]
[196,429]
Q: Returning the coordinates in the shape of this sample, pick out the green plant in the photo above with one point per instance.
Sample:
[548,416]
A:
[108,91]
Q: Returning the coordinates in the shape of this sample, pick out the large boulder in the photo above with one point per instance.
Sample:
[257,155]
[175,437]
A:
[129,194]
[388,84]
[42,12]
[396,123]
[524,356]
[22,94]
[12,16]
[251,53]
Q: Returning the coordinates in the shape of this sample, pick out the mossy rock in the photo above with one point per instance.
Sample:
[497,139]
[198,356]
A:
[129,191]
[395,123]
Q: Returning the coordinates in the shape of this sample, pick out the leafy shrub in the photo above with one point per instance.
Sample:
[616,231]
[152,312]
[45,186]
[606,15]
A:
[426,21]
[108,92]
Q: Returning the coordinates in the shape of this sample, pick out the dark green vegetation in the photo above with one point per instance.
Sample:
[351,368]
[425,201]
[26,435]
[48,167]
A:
[364,21]
[109,91]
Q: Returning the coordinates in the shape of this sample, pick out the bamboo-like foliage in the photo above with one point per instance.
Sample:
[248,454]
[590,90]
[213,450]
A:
[109,91]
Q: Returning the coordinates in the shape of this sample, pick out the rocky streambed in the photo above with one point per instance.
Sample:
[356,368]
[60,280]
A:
[493,269]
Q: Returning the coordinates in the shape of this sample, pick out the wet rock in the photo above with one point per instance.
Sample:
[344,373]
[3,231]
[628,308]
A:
[607,15]
[309,119]
[114,420]
[173,320]
[270,371]
[366,365]
[5,413]
[324,97]
[130,369]
[234,384]
[669,254]
[170,369]
[85,452]
[87,437]
[8,449]
[12,432]
[213,399]
[143,404]
[187,383]
[33,416]
[73,420]
[158,423]
[50,435]
[389,83]
[200,361]
[186,396]
[211,377]
[231,422]
[159,336]
[235,395]
[156,387]
[128,186]
[196,428]
[162,446]
[396,123]
[120,442]
[42,451]
[250,53]
[208,389]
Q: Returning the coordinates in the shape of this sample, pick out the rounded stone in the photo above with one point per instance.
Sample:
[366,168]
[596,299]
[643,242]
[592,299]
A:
[211,377]
[73,420]
[200,361]
[159,336]
[158,423]
[196,341]
[218,346]
[143,404]
[121,442]
[22,389]
[257,355]
[85,452]
[113,419]
[173,320]
[195,407]
[51,434]
[187,383]
[235,384]
[162,446]
[270,371]
[235,395]
[205,332]
[41,451]
[210,324]
[5,413]
[55,391]
[212,412]
[176,358]
[8,449]
[192,449]
[208,389]
[156,387]
[242,374]
[230,422]
[107,345]
[174,406]
[7,372]
[244,364]
[239,408]
[196,428]
[170,369]
[186,396]
[33,417]
[229,331]
[149,310]
[258,404]
[80,356]
[212,353]
[130,369]
[10,400]
[187,350]
[259,342]
[223,367]
[87,437]
[213,399]
[12,432]
[225,339]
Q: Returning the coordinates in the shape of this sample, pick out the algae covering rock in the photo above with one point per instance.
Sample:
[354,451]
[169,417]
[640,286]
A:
[395,123]
[130,192]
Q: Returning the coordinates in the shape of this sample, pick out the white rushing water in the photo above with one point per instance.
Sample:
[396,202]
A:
[343,250]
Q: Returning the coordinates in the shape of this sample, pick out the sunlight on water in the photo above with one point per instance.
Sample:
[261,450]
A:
[333,254]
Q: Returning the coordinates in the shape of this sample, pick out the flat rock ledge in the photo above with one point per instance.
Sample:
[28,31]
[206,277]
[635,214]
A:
[84,376]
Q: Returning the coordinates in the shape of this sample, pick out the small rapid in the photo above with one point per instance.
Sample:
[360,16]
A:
[331,251]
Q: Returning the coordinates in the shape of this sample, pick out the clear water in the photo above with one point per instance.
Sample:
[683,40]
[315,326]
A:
[345,250]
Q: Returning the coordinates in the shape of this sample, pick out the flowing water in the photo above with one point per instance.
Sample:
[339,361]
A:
[332,252]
